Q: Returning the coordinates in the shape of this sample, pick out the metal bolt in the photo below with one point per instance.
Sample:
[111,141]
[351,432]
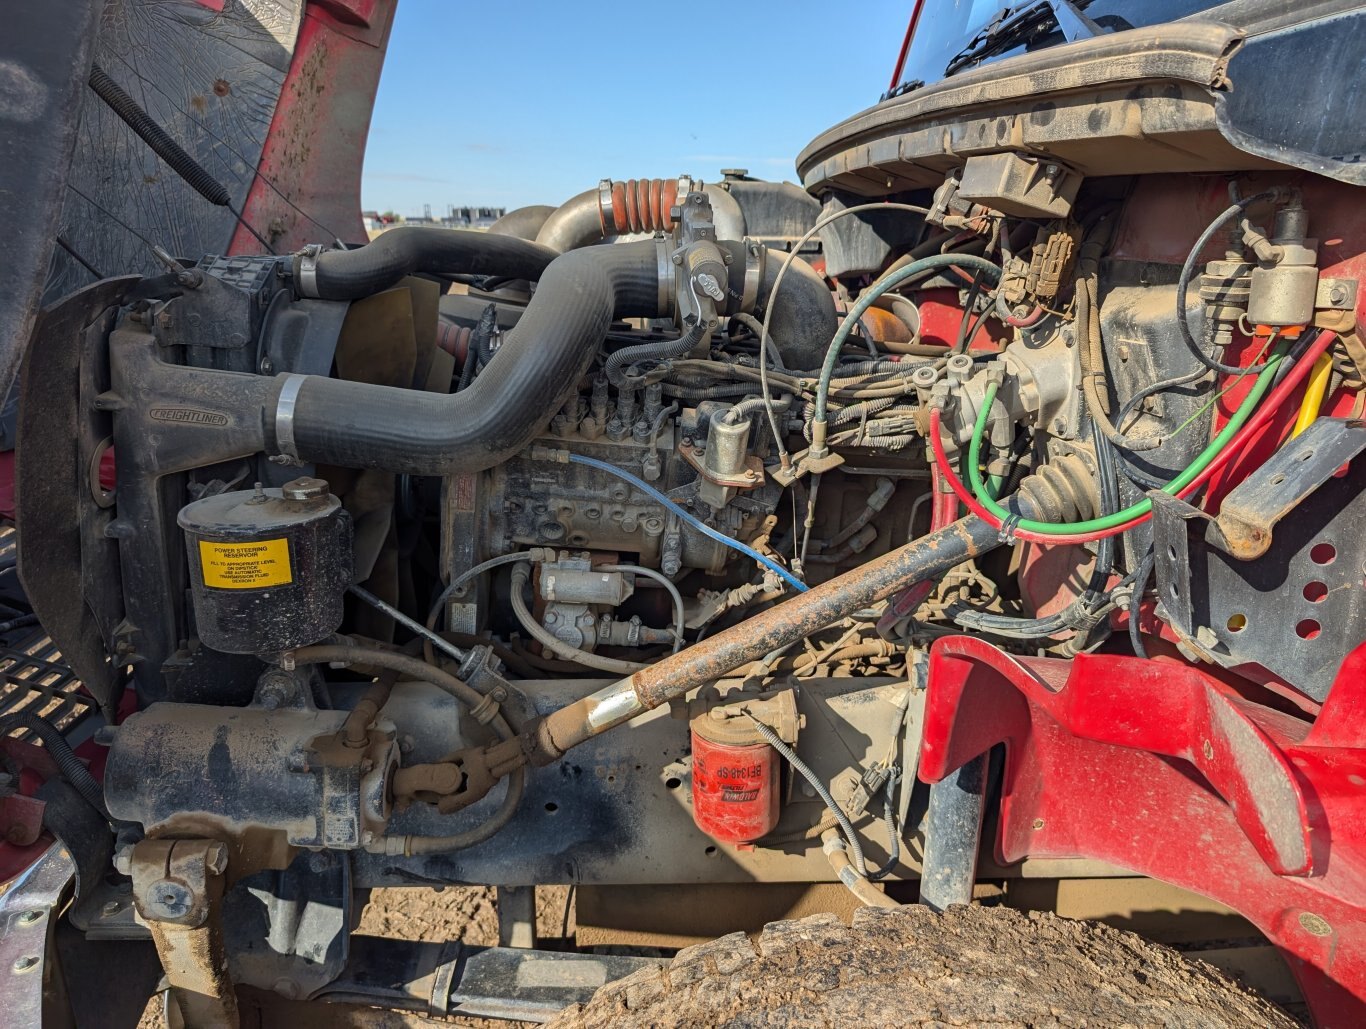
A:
[1038,823]
[169,899]
[111,909]
[1208,750]
[267,366]
[678,258]
[27,963]
[29,917]
[1337,294]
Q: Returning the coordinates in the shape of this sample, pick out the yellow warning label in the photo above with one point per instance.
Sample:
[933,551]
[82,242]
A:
[244,566]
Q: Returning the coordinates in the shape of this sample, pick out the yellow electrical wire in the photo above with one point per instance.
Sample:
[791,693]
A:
[1314,390]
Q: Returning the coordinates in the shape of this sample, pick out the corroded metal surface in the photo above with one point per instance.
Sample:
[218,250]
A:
[925,558]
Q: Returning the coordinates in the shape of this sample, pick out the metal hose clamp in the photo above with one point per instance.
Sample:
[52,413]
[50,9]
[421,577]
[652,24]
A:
[664,271]
[284,415]
[755,256]
[606,216]
[307,283]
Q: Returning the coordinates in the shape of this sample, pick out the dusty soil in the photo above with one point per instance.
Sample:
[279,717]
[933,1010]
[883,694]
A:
[907,967]
[912,967]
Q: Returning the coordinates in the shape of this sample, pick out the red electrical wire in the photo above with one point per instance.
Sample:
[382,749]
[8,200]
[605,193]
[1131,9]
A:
[943,505]
[1032,318]
[1241,440]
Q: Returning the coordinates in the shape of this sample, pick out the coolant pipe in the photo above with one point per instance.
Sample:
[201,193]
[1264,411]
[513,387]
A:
[537,368]
[953,834]
[381,263]
[928,557]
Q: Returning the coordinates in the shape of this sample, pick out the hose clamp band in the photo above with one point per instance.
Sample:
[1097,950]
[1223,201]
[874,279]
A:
[284,415]
[755,255]
[606,216]
[664,272]
[307,279]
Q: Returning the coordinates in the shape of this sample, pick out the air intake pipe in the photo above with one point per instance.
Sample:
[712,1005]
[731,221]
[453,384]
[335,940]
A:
[380,264]
[633,206]
[802,320]
[524,222]
[533,373]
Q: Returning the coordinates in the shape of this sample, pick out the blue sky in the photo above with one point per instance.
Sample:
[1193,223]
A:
[508,103]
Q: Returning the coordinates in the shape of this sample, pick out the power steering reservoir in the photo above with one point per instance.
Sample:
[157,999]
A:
[269,568]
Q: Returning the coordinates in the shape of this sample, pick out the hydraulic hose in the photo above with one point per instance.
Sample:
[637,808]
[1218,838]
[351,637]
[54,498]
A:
[814,781]
[352,274]
[1080,613]
[72,768]
[410,845]
[1260,385]
[928,557]
[1236,446]
[1314,393]
[535,370]
[403,664]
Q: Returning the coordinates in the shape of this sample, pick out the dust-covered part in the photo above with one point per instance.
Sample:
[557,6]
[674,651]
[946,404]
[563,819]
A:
[1003,477]
[968,966]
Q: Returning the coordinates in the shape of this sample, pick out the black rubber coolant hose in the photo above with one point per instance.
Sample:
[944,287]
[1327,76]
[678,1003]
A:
[352,274]
[535,370]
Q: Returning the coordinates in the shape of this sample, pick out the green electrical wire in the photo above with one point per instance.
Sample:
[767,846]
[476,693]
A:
[1265,376]
[869,295]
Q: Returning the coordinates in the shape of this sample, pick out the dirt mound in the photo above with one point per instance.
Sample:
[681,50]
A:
[970,966]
